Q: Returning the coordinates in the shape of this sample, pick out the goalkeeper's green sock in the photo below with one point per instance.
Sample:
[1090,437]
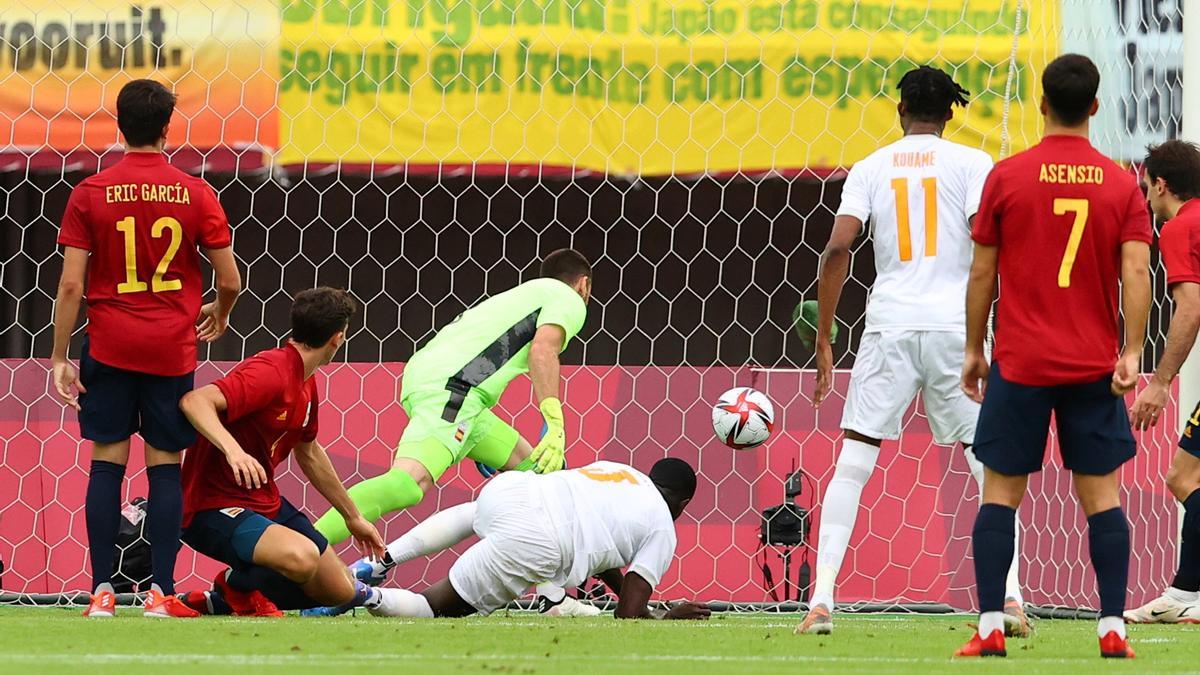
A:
[374,497]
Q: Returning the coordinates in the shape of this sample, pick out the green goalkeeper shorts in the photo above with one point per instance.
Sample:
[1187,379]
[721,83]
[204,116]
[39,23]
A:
[475,433]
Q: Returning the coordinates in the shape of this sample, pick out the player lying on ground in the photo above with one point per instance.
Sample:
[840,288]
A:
[1172,178]
[250,421]
[134,231]
[919,194]
[560,528]
[1067,231]
[450,385]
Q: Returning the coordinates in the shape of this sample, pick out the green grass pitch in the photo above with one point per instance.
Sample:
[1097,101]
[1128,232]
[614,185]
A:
[43,641]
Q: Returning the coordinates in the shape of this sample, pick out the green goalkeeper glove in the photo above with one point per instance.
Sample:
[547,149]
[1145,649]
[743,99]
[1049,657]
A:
[548,454]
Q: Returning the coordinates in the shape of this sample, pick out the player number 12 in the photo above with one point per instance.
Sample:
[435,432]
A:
[1079,207]
[158,284]
[900,187]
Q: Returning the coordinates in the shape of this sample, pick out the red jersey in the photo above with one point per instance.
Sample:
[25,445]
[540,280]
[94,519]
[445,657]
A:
[270,410]
[142,221]
[1179,243]
[1058,214]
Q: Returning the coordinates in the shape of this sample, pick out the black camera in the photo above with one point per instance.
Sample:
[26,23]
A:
[786,524]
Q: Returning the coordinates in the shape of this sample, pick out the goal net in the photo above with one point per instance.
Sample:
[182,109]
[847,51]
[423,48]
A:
[426,153]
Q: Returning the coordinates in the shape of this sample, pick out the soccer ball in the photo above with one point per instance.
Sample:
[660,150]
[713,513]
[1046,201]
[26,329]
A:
[743,418]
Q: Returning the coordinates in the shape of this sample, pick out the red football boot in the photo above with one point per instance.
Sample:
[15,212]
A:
[159,606]
[992,645]
[245,603]
[1113,646]
[103,605]
[197,600]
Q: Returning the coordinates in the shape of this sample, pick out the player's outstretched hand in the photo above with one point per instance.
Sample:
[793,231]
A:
[1125,375]
[64,377]
[548,454]
[366,537]
[212,325]
[1148,405]
[247,472]
[974,376]
[688,611]
[824,354]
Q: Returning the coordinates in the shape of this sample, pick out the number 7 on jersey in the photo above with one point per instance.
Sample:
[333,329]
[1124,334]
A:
[1079,207]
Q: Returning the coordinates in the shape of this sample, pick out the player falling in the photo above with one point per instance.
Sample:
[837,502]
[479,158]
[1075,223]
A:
[134,230]
[1067,231]
[919,194]
[450,385]
[560,528]
[1172,178]
[251,421]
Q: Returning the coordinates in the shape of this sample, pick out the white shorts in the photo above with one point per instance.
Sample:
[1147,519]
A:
[518,548]
[889,369]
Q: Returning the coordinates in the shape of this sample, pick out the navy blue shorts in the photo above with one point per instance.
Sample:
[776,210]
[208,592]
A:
[120,403]
[230,535]
[1189,441]
[1094,434]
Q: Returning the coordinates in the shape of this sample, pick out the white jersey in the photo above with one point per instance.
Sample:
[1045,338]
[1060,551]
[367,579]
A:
[607,516]
[918,194]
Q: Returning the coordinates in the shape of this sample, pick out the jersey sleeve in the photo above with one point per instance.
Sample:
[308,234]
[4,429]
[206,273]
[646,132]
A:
[977,173]
[563,308]
[310,429]
[214,230]
[251,387]
[1137,219]
[986,230]
[653,557]
[856,194]
[1175,245]
[74,230]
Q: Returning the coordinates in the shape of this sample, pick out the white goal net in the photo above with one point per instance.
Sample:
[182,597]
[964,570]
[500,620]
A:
[425,153]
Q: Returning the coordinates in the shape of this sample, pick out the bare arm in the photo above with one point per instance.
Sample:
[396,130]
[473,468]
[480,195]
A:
[203,407]
[1185,323]
[544,367]
[215,315]
[613,579]
[315,464]
[1135,307]
[66,314]
[981,291]
[835,266]
[634,598]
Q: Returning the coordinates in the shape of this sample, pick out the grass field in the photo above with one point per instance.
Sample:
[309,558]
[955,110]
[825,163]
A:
[59,640]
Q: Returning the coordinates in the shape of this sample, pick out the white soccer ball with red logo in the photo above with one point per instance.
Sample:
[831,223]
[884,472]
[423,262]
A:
[743,418]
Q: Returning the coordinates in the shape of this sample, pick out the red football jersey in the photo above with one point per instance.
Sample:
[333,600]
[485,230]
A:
[1179,243]
[270,409]
[142,220]
[1058,214]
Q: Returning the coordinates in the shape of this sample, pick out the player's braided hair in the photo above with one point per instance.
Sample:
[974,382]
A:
[928,94]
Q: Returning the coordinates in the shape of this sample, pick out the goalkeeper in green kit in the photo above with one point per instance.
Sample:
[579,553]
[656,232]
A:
[450,385]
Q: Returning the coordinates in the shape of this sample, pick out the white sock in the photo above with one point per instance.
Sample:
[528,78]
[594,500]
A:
[555,594]
[1109,624]
[1012,584]
[399,602]
[434,534]
[839,511]
[990,622]
[1182,596]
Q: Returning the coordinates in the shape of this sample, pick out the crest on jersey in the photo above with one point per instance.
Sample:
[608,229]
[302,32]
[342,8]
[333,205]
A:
[461,432]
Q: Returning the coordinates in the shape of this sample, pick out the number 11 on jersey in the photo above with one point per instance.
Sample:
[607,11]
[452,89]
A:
[900,187]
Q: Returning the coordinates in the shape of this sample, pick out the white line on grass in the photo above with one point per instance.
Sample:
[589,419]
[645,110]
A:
[328,660]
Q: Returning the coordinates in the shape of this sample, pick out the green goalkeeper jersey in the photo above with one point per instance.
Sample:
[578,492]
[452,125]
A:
[486,346]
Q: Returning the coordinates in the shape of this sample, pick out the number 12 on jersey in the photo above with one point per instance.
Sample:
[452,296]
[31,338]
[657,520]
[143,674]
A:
[900,188]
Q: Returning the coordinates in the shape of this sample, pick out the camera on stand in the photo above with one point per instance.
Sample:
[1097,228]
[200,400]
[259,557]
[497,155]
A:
[785,527]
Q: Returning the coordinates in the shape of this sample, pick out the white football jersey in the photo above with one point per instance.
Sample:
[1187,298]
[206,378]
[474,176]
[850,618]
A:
[918,195]
[608,516]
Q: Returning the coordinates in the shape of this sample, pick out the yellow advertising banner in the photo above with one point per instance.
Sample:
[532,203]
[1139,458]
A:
[642,86]
[62,63]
